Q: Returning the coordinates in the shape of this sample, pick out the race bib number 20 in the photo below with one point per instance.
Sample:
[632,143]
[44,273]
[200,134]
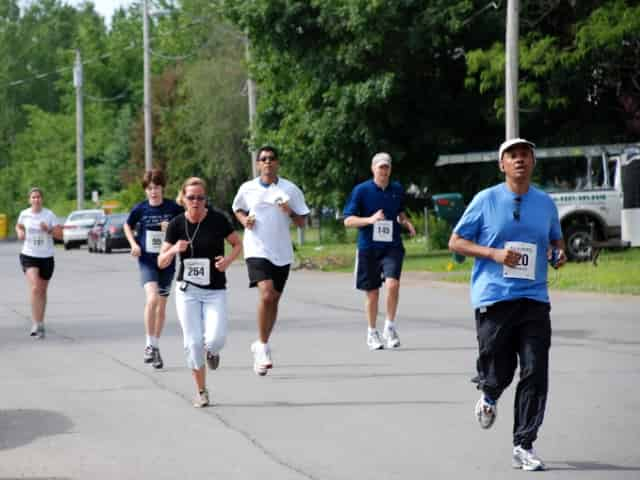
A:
[526,267]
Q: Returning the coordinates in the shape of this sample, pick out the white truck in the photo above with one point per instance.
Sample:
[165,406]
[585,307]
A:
[586,184]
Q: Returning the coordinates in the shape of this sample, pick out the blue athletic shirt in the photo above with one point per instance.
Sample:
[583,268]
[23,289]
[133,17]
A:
[144,217]
[365,200]
[490,221]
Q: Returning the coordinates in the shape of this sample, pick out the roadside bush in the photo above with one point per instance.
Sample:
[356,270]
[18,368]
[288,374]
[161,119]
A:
[417,219]
[439,233]
[332,231]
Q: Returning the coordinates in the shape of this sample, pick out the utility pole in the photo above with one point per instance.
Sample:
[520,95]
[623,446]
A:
[511,70]
[148,152]
[251,93]
[77,83]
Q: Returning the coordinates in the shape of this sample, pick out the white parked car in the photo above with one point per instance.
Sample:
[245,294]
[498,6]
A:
[77,225]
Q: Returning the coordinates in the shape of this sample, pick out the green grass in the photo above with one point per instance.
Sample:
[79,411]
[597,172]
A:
[616,272]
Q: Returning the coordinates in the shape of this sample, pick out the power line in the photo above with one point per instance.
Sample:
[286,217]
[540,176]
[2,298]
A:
[133,44]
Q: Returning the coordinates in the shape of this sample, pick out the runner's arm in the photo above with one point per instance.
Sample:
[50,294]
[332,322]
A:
[168,251]
[20,231]
[406,223]
[244,219]
[135,248]
[353,221]
[468,248]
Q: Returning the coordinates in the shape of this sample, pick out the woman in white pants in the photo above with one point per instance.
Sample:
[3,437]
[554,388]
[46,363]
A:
[198,237]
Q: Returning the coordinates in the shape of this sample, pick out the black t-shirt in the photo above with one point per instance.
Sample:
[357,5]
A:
[207,241]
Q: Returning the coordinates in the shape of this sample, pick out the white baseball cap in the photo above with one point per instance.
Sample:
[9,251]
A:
[507,144]
[381,158]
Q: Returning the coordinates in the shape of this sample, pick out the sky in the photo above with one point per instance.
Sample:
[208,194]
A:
[103,7]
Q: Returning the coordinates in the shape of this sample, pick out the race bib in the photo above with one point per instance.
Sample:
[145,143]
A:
[526,267]
[196,271]
[37,238]
[154,241]
[383,231]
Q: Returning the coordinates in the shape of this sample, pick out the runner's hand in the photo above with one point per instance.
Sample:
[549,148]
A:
[510,258]
[250,221]
[284,206]
[221,263]
[562,257]
[181,246]
[44,227]
[412,230]
[379,215]
[136,251]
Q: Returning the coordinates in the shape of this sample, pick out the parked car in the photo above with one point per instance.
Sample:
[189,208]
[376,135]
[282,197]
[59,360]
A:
[111,236]
[94,233]
[77,225]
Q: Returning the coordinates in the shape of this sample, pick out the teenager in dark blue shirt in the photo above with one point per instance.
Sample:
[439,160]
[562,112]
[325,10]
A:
[376,208]
[150,220]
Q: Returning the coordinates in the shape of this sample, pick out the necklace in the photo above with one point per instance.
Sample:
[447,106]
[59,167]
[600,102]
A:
[195,233]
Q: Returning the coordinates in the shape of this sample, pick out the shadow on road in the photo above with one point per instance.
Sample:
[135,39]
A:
[334,404]
[591,466]
[21,427]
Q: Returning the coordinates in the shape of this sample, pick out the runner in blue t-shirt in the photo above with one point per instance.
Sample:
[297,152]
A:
[512,230]
[149,219]
[376,208]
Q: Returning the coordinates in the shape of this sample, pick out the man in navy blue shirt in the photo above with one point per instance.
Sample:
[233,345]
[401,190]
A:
[376,208]
[513,231]
[150,218]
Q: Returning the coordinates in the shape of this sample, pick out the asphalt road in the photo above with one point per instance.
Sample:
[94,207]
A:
[82,405]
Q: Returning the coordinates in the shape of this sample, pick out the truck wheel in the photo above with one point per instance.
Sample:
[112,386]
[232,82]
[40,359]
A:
[67,246]
[578,238]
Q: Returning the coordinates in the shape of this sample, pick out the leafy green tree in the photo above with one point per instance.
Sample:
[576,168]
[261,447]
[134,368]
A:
[578,72]
[341,79]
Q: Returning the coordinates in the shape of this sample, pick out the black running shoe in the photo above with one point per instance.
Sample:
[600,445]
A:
[213,360]
[148,354]
[157,359]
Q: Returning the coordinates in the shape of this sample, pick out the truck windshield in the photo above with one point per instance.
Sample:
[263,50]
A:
[561,174]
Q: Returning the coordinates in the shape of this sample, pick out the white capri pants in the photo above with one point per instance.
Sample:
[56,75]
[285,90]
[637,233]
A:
[203,317]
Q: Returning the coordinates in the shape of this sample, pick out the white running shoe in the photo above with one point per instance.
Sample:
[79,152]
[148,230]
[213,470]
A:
[373,341]
[486,412]
[391,338]
[526,459]
[202,399]
[261,358]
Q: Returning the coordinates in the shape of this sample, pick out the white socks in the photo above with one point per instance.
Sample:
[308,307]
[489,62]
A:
[153,341]
[389,324]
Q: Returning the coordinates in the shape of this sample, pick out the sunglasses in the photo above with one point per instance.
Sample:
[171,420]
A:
[267,158]
[516,209]
[199,198]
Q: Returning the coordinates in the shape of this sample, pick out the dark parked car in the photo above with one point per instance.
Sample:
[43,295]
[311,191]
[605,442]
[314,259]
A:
[111,234]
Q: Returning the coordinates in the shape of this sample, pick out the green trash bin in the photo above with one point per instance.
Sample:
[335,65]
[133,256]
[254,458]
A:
[448,206]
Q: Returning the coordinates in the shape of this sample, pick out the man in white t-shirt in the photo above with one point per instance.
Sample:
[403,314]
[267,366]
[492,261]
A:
[36,227]
[266,206]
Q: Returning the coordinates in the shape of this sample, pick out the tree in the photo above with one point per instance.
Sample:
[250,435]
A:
[342,79]
[579,72]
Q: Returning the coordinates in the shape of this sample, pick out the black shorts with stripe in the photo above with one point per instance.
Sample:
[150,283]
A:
[374,265]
